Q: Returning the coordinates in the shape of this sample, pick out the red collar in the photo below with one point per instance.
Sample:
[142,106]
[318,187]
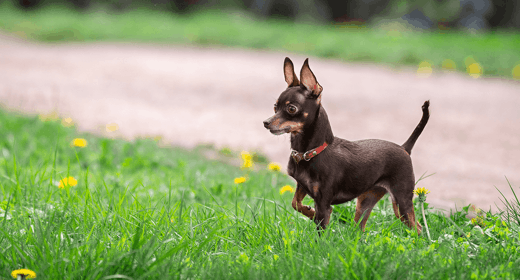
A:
[297,156]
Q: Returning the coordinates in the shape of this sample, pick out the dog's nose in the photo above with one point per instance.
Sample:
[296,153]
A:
[267,123]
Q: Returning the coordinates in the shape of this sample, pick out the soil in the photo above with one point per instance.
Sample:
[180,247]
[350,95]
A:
[192,95]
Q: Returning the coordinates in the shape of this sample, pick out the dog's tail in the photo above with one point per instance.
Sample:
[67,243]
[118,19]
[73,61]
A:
[408,145]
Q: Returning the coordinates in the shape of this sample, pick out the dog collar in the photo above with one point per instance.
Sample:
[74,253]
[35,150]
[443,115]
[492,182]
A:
[297,156]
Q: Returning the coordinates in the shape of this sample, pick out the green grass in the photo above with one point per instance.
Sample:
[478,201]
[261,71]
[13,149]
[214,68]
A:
[140,211]
[497,52]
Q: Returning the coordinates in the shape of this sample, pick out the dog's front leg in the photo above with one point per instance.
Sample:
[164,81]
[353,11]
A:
[299,194]
[323,212]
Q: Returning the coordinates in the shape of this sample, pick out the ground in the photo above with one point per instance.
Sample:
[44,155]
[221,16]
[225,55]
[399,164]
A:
[191,95]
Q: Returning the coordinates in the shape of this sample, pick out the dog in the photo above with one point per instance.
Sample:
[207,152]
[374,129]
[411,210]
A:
[332,170]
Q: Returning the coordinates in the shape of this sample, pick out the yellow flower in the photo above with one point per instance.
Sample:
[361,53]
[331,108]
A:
[516,72]
[111,127]
[247,160]
[286,188]
[275,257]
[475,70]
[425,69]
[79,142]
[27,272]
[449,64]
[67,182]
[240,180]
[273,166]
[66,122]
[421,191]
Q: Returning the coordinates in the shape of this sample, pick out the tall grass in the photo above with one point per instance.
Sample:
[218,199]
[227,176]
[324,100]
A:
[496,53]
[140,211]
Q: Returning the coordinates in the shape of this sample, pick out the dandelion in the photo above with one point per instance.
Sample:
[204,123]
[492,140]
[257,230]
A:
[421,192]
[475,70]
[240,180]
[79,142]
[286,188]
[425,69]
[67,182]
[66,122]
[274,166]
[23,274]
[247,160]
[516,72]
[448,64]
[111,127]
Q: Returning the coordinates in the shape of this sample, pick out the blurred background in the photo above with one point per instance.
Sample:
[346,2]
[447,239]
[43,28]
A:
[424,14]
[207,72]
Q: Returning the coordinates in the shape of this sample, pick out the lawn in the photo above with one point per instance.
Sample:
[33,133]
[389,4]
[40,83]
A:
[493,53]
[139,210]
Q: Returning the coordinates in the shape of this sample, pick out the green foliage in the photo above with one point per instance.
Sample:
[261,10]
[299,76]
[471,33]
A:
[144,212]
[496,52]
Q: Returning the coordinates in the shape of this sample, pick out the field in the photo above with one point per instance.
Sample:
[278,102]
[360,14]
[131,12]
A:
[493,53]
[80,206]
[136,210]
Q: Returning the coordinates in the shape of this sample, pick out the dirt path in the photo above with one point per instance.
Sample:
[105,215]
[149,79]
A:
[191,95]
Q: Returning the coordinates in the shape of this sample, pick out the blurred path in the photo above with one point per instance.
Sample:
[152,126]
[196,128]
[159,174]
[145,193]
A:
[193,94]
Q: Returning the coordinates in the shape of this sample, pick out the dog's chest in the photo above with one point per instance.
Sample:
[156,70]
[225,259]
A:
[305,177]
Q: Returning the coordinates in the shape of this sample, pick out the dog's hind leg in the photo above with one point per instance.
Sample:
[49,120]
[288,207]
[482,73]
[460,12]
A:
[366,202]
[406,211]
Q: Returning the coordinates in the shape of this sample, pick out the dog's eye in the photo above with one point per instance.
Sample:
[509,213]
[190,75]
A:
[275,108]
[291,109]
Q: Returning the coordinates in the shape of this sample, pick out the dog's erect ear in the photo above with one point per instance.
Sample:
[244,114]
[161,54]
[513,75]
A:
[309,80]
[288,71]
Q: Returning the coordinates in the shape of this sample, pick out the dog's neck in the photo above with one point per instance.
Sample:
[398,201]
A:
[314,134]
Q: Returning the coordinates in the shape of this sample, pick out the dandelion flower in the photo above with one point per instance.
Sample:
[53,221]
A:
[67,182]
[26,273]
[247,160]
[475,70]
[66,122]
[111,127]
[449,64]
[274,166]
[516,72]
[425,69]
[240,180]
[421,191]
[286,188]
[79,142]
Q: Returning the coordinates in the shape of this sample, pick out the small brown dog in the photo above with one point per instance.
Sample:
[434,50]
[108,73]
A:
[332,170]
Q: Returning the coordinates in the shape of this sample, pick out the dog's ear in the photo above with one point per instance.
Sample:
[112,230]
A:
[309,80]
[288,71]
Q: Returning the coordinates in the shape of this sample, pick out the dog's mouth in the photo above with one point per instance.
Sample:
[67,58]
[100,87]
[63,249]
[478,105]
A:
[278,131]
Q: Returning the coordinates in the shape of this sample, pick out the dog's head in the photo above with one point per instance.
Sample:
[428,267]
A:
[298,104]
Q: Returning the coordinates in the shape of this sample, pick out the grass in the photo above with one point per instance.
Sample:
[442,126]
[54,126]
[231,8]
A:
[497,53]
[140,211]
